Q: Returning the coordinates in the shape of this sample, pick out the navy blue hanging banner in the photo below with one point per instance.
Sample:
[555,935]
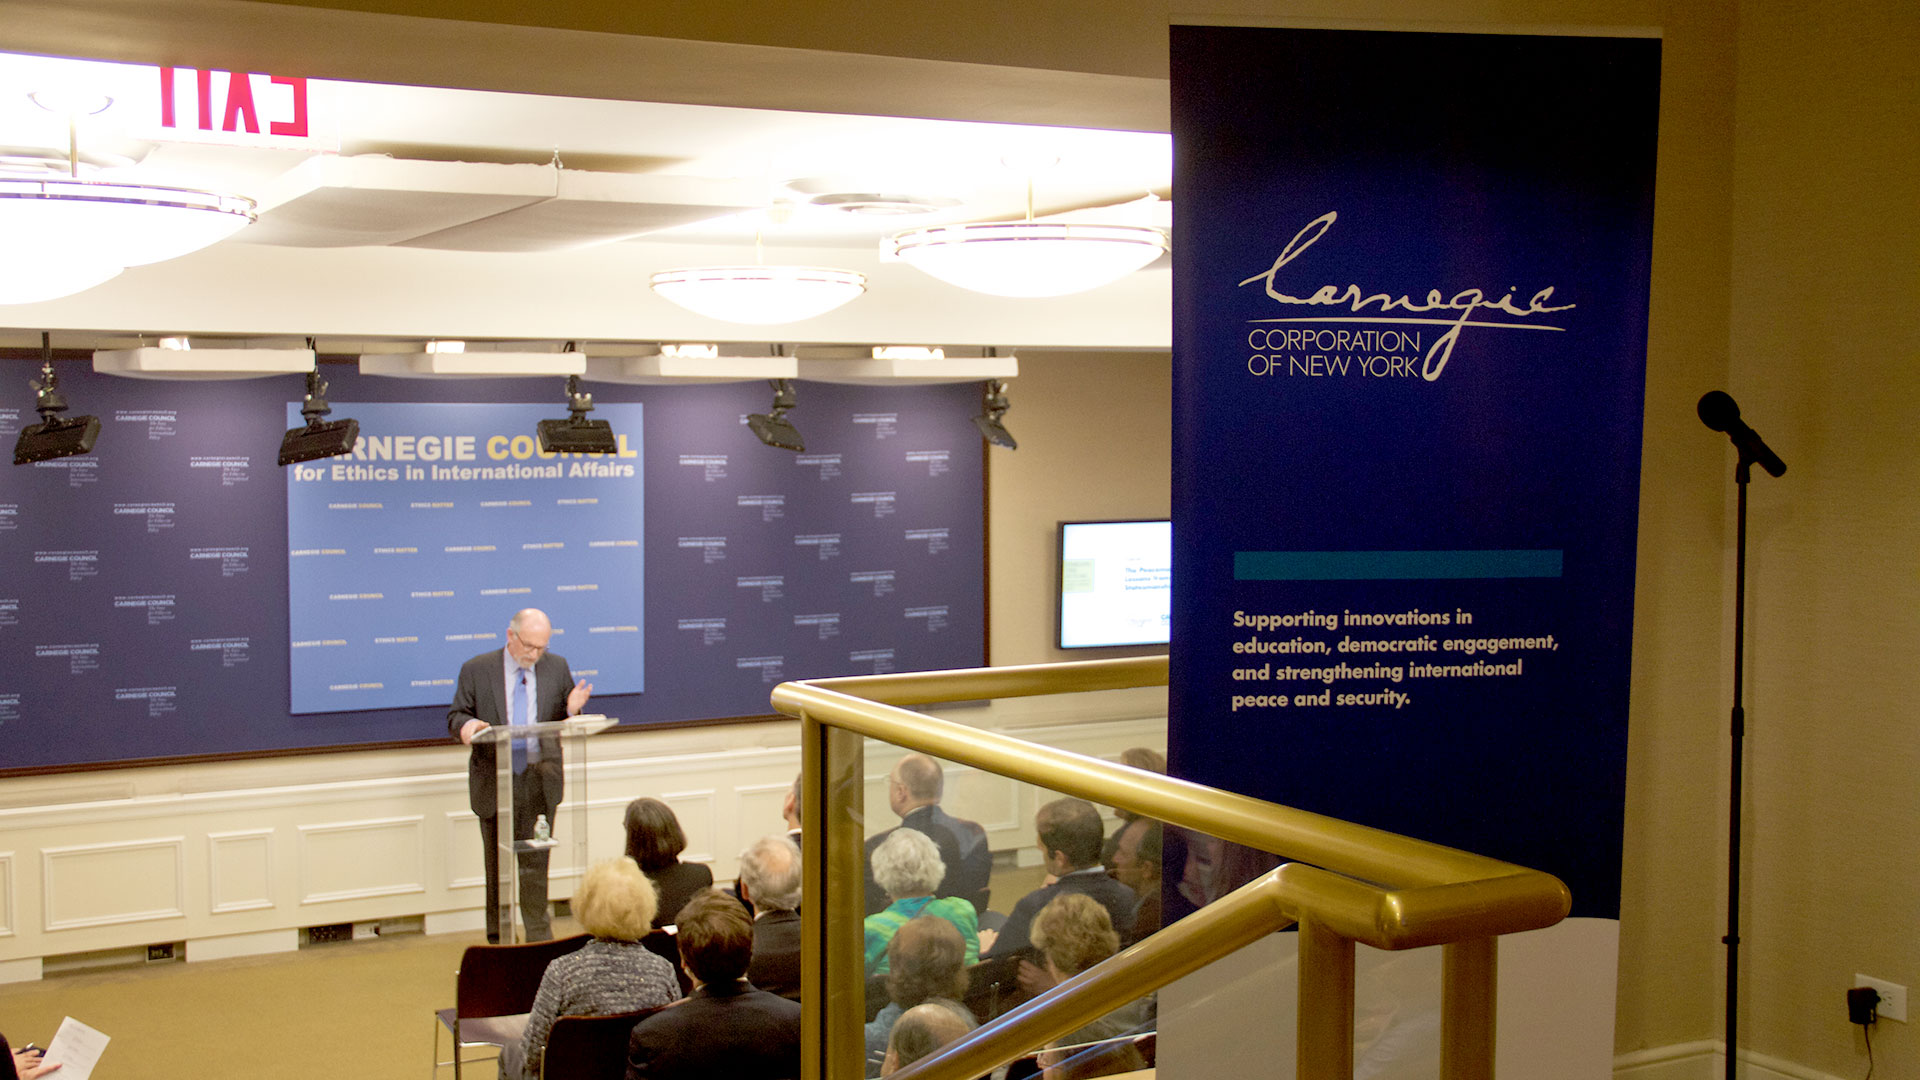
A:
[1410,325]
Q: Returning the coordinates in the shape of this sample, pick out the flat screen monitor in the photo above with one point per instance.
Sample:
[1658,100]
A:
[1115,583]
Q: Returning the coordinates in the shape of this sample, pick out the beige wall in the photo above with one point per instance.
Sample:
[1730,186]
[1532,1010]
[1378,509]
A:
[1826,364]
[1095,438]
[1785,237]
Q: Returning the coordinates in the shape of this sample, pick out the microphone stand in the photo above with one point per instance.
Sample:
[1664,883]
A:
[1742,474]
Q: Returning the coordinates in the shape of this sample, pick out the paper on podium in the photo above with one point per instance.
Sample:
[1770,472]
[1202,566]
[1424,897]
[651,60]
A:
[76,1048]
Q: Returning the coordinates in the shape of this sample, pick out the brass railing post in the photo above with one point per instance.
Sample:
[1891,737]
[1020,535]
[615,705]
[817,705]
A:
[1469,973]
[1325,1050]
[833,1003]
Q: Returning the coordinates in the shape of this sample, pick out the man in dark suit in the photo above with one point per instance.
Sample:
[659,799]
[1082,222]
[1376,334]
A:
[1070,833]
[914,789]
[521,684]
[770,886]
[725,1028]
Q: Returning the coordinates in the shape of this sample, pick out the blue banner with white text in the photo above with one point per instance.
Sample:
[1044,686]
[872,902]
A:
[402,556]
[1410,343]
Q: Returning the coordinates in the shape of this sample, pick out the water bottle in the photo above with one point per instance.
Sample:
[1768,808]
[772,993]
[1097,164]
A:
[542,831]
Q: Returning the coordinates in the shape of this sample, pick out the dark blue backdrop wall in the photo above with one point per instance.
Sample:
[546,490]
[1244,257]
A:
[144,589]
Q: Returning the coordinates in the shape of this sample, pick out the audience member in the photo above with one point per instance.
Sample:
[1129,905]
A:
[725,1028]
[924,1029]
[613,973]
[1073,933]
[1070,833]
[770,886]
[926,959]
[908,867]
[914,789]
[655,841]
[1146,759]
[1136,864]
[790,809]
[24,1064]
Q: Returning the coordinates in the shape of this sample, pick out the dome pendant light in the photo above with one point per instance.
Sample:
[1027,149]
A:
[759,295]
[1027,258]
[70,234]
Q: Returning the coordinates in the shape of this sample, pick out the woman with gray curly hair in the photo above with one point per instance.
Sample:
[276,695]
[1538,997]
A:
[908,866]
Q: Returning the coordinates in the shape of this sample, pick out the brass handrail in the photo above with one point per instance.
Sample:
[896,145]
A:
[1347,883]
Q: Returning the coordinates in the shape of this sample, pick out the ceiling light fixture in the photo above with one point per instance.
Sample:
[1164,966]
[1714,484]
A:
[759,295]
[1027,258]
[992,420]
[772,427]
[53,437]
[83,232]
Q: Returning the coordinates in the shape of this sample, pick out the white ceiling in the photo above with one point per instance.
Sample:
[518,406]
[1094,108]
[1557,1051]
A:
[419,211]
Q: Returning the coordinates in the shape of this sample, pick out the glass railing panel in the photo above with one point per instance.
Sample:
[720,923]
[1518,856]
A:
[999,924]
[1346,884]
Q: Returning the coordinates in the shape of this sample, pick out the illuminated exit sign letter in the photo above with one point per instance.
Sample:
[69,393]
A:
[236,109]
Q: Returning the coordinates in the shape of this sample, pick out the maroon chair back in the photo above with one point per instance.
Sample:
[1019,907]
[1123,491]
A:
[590,1047]
[501,980]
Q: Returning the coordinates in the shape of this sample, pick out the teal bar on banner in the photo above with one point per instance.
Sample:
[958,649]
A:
[1394,565]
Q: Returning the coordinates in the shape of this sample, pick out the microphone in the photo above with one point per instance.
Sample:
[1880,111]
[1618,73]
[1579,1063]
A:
[1719,412]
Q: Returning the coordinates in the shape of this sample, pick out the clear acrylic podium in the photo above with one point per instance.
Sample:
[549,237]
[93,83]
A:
[572,735]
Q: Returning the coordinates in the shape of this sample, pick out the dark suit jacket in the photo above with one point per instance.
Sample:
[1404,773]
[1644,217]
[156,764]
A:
[963,847]
[734,1032]
[1119,901]
[776,954]
[481,692]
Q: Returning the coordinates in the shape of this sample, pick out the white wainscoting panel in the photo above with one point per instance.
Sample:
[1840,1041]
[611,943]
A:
[460,850]
[108,884]
[239,855]
[993,801]
[695,809]
[240,870]
[355,860]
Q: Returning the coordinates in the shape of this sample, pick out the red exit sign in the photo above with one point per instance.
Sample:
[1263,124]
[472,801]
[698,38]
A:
[236,110]
[235,107]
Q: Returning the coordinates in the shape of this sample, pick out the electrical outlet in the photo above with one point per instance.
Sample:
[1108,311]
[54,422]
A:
[1893,997]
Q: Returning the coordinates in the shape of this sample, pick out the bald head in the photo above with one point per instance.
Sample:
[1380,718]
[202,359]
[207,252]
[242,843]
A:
[915,782]
[923,1029]
[527,635]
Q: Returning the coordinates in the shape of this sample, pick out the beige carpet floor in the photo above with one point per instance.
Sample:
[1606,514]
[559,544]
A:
[355,1009]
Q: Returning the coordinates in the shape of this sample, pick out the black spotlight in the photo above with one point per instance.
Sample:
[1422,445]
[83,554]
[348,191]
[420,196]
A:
[577,434]
[990,421]
[53,437]
[320,438]
[772,427]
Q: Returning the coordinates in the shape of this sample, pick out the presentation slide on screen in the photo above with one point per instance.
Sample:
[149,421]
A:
[402,556]
[177,593]
[1115,583]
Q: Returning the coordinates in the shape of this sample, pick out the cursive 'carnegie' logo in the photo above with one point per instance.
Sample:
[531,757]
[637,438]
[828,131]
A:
[1466,302]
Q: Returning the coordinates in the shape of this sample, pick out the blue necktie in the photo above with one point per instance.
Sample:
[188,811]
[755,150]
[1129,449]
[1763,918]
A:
[520,715]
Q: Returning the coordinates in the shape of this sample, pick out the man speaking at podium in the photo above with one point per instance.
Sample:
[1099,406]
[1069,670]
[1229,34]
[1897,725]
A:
[521,684]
